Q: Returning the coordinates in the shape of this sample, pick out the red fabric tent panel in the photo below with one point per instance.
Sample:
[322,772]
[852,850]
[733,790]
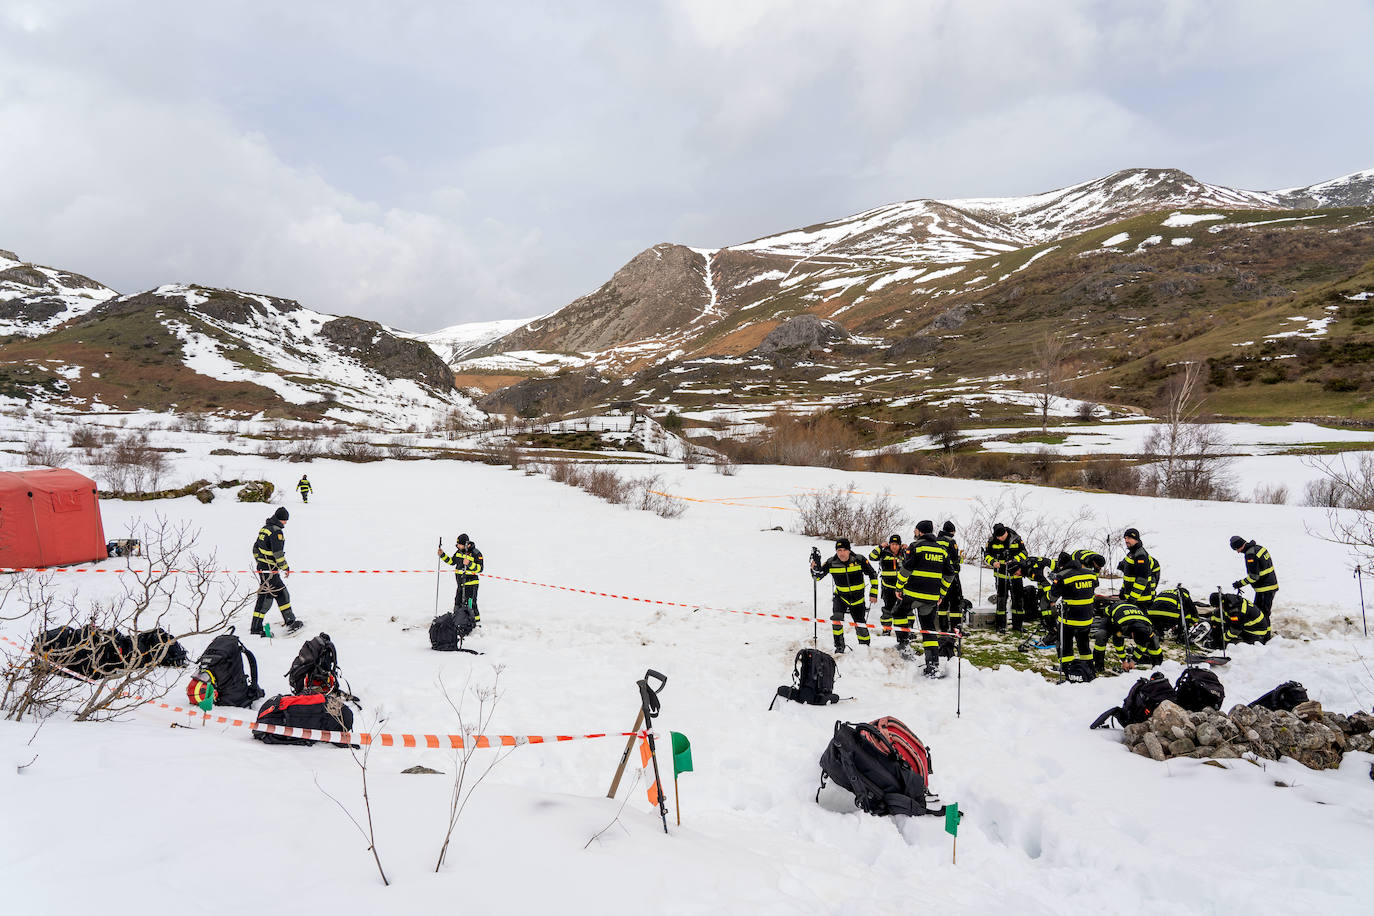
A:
[49,518]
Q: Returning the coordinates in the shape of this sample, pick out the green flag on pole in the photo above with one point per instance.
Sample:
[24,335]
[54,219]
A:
[682,754]
[952,819]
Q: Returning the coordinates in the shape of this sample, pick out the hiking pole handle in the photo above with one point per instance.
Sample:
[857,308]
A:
[648,695]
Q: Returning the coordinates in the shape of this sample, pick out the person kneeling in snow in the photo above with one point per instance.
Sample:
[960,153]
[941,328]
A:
[1242,621]
[1121,620]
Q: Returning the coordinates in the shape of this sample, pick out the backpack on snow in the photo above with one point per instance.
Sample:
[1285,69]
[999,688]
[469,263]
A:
[1285,696]
[315,711]
[813,680]
[1141,701]
[222,661]
[316,668]
[1079,671]
[1199,688]
[158,647]
[883,764]
[449,630]
[87,652]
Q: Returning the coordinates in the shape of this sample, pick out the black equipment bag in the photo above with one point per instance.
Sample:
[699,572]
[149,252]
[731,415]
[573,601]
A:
[862,759]
[223,660]
[1285,696]
[87,652]
[1199,688]
[319,711]
[1079,671]
[1141,701]
[813,680]
[316,667]
[448,630]
[158,647]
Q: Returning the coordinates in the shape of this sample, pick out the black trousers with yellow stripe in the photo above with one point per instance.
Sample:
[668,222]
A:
[270,588]
[838,609]
[1076,624]
[1264,602]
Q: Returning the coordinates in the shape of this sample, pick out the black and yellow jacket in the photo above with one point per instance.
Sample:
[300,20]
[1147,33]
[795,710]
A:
[956,556]
[926,570]
[1240,616]
[1076,584]
[848,577]
[888,564]
[1139,576]
[1117,614]
[304,486]
[1165,608]
[1006,551]
[1259,569]
[269,550]
[466,575]
[1039,570]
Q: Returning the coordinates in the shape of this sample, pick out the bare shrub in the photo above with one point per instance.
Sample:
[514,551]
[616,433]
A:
[646,494]
[1348,496]
[176,589]
[1086,410]
[1191,460]
[1274,494]
[85,438]
[605,483]
[841,512]
[944,432]
[41,451]
[470,727]
[1112,475]
[820,440]
[306,450]
[132,464]
[1043,533]
[724,464]
[357,450]
[401,447]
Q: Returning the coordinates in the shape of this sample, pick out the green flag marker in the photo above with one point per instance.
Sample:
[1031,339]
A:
[952,819]
[682,754]
[267,629]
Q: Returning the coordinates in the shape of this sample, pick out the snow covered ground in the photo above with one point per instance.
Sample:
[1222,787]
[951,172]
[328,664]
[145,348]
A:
[1058,818]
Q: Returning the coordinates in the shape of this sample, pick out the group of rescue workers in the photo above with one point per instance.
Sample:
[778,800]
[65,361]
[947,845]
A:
[922,595]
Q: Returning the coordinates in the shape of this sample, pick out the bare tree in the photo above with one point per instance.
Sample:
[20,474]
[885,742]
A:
[1191,460]
[470,729]
[1050,371]
[837,512]
[1348,491]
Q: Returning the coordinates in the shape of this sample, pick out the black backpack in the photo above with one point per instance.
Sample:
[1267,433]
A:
[223,661]
[87,652]
[319,711]
[316,667]
[448,630]
[862,759]
[158,647]
[1199,688]
[813,680]
[1285,696]
[1079,671]
[1141,701]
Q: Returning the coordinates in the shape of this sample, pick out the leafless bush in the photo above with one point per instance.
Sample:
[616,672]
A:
[175,588]
[605,483]
[1043,533]
[646,494]
[841,512]
[132,464]
[944,432]
[85,438]
[821,440]
[401,447]
[361,756]
[1275,494]
[1191,463]
[724,465]
[39,450]
[357,450]
[1112,475]
[306,450]
[690,454]
[1086,410]
[1348,496]
[470,728]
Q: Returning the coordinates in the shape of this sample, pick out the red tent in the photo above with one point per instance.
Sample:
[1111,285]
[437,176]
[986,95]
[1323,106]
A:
[49,518]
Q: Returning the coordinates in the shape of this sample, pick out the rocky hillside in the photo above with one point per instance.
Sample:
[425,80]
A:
[35,299]
[197,348]
[1136,269]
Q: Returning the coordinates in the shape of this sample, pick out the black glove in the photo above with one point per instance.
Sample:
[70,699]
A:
[1238,583]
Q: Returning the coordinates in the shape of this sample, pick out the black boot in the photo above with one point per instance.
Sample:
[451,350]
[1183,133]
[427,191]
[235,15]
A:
[841,648]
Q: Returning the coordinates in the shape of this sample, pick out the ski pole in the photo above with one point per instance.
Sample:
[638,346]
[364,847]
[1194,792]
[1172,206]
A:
[958,677]
[649,705]
[1359,578]
[437,576]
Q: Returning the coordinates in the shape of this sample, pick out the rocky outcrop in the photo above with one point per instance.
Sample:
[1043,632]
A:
[1314,738]
[801,335]
[394,357]
[539,396]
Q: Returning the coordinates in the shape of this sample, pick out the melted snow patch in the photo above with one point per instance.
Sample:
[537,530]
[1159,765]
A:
[1116,239]
[1181,241]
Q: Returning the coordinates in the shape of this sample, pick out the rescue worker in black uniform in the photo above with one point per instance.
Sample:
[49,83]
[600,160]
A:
[1076,585]
[1122,620]
[1172,611]
[888,560]
[269,557]
[926,573]
[1241,620]
[1139,572]
[1039,571]
[847,570]
[951,610]
[1259,573]
[304,488]
[467,562]
[1004,548]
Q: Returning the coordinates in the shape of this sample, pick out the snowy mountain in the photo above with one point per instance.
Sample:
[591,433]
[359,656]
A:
[36,299]
[197,348]
[455,342]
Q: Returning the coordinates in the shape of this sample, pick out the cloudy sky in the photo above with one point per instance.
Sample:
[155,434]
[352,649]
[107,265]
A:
[431,163]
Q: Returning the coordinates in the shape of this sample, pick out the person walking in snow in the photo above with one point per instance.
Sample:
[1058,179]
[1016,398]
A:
[1139,572]
[925,577]
[303,487]
[1259,573]
[847,571]
[1003,549]
[269,557]
[887,558]
[467,562]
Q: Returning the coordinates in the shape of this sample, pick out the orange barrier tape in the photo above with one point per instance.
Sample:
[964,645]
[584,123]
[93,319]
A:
[384,739]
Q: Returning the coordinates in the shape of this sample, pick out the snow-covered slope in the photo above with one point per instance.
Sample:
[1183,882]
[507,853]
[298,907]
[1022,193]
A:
[35,299]
[454,342]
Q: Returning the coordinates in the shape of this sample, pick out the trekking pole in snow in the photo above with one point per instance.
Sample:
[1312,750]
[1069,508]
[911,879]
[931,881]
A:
[1359,578]
[649,705]
[958,676]
[815,602]
[437,576]
[625,757]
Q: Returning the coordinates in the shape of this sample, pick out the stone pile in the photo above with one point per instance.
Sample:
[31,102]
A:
[1314,738]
